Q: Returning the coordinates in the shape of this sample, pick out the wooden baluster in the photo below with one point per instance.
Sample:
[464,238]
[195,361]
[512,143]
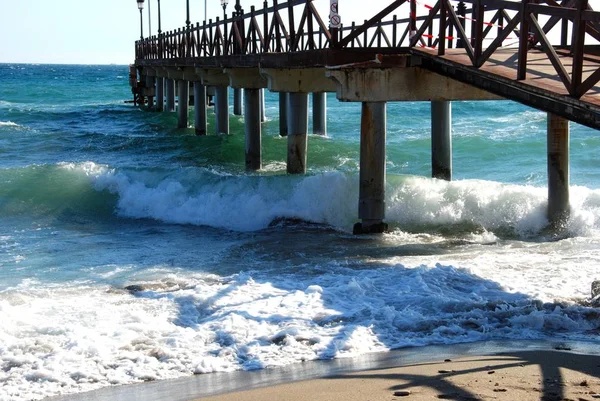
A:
[451,34]
[579,26]
[394,30]
[478,12]
[309,21]
[523,42]
[430,32]
[292,29]
[266,36]
[442,34]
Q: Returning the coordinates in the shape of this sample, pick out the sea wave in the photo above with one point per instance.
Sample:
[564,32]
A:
[79,337]
[204,196]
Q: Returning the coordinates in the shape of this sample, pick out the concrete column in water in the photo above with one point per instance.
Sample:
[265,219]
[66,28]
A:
[200,108]
[283,113]
[222,109]
[263,114]
[441,139]
[297,127]
[371,204]
[237,101]
[160,94]
[170,94]
[319,113]
[150,85]
[183,88]
[253,129]
[558,169]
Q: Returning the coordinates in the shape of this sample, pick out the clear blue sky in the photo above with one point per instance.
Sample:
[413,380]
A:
[104,31]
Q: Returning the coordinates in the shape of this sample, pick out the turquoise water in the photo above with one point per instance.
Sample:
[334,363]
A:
[234,270]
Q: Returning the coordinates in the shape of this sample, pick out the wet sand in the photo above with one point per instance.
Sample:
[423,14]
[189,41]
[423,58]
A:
[522,370]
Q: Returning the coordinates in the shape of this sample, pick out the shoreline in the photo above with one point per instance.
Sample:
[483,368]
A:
[379,372]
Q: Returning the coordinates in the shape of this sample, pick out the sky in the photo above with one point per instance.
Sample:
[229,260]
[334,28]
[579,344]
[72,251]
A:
[104,31]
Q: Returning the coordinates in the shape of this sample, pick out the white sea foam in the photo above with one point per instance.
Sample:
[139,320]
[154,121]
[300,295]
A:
[58,340]
[8,124]
[247,203]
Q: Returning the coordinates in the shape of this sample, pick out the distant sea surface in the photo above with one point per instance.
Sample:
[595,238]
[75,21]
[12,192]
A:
[233,270]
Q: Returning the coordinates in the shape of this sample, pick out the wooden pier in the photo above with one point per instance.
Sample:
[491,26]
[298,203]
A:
[444,51]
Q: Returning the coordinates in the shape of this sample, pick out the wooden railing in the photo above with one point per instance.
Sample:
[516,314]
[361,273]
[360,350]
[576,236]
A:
[481,29]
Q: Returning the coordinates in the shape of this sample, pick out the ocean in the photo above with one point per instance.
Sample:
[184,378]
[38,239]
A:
[135,251]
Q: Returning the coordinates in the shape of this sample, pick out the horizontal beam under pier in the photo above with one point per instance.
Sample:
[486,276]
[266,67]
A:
[401,84]
[305,80]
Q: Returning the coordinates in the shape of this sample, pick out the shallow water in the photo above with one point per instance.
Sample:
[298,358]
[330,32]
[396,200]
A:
[135,251]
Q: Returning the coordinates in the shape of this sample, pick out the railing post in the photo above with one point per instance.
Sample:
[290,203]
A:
[217,51]
[477,34]
[309,26]
[394,30]
[564,30]
[442,32]
[523,42]
[277,29]
[266,36]
[225,36]
[462,12]
[451,34]
[579,26]
[253,37]
[292,41]
[413,19]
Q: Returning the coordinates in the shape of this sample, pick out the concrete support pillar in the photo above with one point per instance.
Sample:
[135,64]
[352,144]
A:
[263,114]
[170,94]
[253,129]
[297,127]
[319,113]
[200,108]
[371,204]
[441,139]
[183,88]
[558,169]
[222,109]
[237,101]
[160,94]
[150,84]
[283,113]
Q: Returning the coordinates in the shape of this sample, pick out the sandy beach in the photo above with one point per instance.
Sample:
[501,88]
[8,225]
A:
[528,375]
[496,370]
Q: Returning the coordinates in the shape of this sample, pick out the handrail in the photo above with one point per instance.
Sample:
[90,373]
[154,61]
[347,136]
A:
[480,30]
